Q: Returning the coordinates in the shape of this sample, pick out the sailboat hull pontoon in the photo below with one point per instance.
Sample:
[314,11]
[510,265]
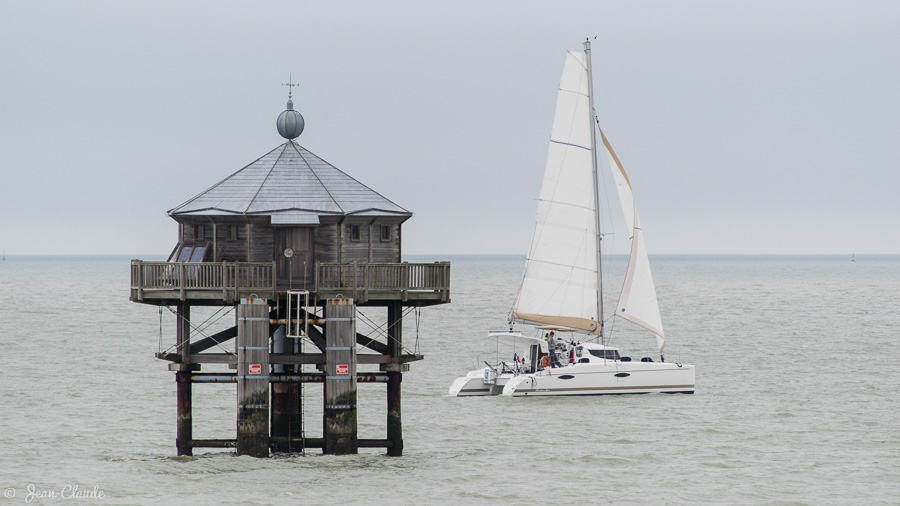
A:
[478,383]
[635,378]
[491,379]
[604,376]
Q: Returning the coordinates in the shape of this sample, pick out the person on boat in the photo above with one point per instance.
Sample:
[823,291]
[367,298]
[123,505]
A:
[551,343]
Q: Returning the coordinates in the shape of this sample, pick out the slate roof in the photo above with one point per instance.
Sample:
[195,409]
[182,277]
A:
[293,184]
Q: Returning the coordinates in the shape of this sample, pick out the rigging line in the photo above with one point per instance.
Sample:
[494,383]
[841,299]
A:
[610,154]
[563,203]
[586,148]
[159,346]
[418,316]
[384,333]
[206,324]
[612,329]
[368,321]
[201,332]
[218,345]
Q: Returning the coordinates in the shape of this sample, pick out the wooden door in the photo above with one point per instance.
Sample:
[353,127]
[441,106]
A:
[298,270]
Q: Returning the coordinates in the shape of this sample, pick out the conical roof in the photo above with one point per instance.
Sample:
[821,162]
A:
[291,184]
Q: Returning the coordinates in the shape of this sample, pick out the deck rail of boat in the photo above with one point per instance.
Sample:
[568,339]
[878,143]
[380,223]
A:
[227,282]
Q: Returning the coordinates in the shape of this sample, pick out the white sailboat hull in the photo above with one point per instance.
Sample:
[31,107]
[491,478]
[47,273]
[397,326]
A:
[473,384]
[604,378]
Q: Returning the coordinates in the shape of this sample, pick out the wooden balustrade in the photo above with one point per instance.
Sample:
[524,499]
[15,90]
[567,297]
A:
[204,280]
[229,281]
[364,281]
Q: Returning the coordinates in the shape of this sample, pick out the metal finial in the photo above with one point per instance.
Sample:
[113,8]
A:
[290,84]
[290,123]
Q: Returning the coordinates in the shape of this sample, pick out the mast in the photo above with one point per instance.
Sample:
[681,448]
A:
[587,54]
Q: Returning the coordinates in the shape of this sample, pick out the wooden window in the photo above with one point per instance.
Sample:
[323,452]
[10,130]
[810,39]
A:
[385,233]
[232,233]
[191,254]
[199,232]
[354,233]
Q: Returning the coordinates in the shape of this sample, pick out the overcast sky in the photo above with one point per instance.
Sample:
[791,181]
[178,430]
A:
[746,126]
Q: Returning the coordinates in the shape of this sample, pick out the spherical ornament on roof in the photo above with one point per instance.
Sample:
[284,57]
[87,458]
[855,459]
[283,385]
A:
[290,123]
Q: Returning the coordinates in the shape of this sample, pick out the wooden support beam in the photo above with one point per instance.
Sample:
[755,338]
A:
[296,358]
[317,377]
[317,337]
[253,378]
[372,344]
[368,342]
[213,443]
[339,424]
[320,442]
[213,340]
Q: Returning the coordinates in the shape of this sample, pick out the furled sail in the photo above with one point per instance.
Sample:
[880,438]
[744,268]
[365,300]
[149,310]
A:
[637,301]
[559,286]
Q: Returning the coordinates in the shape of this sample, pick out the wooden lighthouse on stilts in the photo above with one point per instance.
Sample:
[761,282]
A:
[294,245]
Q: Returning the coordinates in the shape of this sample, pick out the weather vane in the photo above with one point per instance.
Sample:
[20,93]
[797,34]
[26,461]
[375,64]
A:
[290,84]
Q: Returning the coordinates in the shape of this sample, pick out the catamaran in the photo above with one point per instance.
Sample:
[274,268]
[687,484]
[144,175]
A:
[561,293]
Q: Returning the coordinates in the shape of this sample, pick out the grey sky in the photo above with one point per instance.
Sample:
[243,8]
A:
[745,126]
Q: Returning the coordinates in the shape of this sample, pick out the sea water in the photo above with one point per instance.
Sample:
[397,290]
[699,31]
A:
[796,399]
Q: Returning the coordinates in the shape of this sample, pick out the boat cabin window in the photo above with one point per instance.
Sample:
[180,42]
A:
[607,354]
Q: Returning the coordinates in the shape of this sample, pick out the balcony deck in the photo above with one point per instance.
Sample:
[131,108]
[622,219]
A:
[218,283]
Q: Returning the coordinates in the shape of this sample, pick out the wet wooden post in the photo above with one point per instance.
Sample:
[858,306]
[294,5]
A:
[253,378]
[280,417]
[340,429]
[395,377]
[285,417]
[184,423]
[184,417]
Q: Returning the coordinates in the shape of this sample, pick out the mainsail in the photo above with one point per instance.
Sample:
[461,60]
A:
[559,286]
[637,301]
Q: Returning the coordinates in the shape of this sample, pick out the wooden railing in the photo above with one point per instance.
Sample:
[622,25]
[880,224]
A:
[361,280]
[230,279]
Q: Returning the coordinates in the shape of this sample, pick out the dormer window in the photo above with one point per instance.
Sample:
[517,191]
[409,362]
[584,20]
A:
[385,233]
[354,233]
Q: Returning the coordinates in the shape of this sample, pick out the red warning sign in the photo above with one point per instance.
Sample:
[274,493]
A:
[342,369]
[255,369]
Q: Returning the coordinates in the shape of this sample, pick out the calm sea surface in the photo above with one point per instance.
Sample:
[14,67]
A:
[797,397]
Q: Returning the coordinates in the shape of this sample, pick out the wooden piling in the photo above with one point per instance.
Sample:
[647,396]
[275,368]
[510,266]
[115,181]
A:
[395,377]
[340,428]
[394,420]
[183,330]
[184,423]
[253,378]
[286,416]
[281,397]
[184,417]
